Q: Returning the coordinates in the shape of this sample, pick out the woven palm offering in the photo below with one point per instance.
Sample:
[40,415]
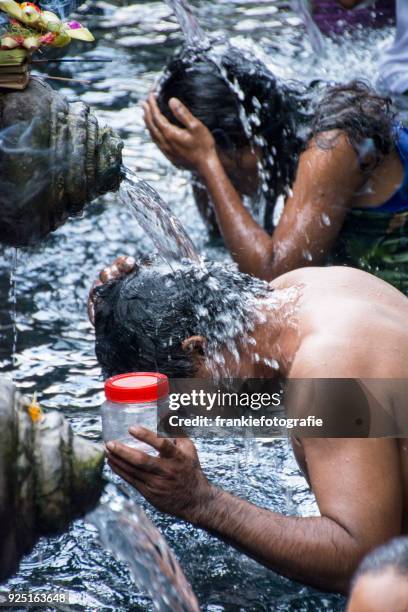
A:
[28,30]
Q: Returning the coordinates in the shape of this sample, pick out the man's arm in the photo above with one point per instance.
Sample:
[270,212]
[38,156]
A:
[356,484]
[357,488]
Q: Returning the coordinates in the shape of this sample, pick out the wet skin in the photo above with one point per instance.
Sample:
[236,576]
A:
[329,182]
[380,591]
[326,322]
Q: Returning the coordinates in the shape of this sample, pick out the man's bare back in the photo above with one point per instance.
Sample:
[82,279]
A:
[354,325]
[351,324]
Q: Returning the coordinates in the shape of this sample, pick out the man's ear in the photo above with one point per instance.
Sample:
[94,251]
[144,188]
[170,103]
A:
[194,345]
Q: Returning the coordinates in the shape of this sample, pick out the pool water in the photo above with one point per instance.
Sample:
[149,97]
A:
[54,352]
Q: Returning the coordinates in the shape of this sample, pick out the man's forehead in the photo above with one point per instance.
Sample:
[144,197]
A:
[385,589]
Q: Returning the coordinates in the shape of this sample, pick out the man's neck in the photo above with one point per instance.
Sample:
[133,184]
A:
[276,338]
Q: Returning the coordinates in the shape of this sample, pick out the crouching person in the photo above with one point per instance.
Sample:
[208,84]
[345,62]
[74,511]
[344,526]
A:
[313,323]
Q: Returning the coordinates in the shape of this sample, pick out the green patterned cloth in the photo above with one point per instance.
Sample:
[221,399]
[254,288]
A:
[376,242]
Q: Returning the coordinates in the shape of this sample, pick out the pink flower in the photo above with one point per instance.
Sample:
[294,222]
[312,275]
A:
[48,38]
[74,25]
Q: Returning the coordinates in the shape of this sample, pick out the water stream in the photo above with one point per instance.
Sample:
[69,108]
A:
[55,351]
[156,219]
[194,35]
[13,303]
[303,9]
[125,530]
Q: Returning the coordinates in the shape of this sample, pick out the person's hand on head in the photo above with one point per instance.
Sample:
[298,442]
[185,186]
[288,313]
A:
[119,268]
[187,147]
[173,481]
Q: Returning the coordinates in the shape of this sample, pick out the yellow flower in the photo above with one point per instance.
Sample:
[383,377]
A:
[34,410]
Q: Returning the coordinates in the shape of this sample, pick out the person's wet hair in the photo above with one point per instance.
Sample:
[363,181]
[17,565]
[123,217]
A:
[280,117]
[142,319]
[392,555]
[364,116]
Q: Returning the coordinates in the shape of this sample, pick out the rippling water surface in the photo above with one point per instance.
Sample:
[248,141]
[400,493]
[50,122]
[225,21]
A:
[53,352]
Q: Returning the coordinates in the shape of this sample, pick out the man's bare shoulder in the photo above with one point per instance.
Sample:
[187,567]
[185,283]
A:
[362,351]
[350,324]
[340,278]
[325,356]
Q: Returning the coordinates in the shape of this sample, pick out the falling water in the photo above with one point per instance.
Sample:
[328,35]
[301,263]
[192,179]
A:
[13,303]
[303,9]
[155,218]
[226,305]
[193,34]
[125,530]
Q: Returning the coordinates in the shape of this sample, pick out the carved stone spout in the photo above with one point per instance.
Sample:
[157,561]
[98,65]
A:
[48,476]
[54,158]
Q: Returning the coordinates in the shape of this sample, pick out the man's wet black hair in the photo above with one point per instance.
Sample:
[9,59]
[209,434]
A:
[142,319]
[282,116]
[392,555]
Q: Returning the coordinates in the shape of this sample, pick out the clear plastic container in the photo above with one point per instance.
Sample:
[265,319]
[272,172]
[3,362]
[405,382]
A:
[132,399]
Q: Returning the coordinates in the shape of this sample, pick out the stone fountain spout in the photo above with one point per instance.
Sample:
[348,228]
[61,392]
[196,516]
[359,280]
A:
[54,159]
[48,476]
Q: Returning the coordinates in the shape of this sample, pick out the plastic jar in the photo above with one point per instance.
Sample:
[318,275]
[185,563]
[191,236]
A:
[132,399]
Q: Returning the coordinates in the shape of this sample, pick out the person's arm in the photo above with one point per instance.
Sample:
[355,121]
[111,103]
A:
[325,183]
[356,484]
[360,505]
[311,220]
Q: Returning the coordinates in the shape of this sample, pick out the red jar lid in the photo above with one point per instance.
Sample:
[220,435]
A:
[136,387]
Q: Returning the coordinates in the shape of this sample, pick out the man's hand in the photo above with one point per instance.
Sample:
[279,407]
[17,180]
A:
[173,482]
[188,147]
[122,266]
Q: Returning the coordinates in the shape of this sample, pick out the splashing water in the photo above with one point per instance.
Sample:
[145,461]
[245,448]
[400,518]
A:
[302,8]
[154,216]
[126,531]
[226,308]
[213,300]
[193,34]
[226,304]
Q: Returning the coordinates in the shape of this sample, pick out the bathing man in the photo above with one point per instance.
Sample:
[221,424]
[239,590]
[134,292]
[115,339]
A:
[317,323]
